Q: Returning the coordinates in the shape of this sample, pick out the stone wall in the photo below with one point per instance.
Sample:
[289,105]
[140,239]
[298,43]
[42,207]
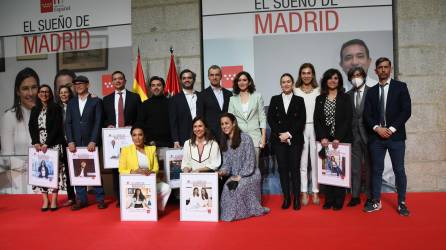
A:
[420,60]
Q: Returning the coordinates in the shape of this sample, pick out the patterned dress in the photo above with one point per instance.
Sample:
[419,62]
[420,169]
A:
[330,114]
[41,121]
[244,201]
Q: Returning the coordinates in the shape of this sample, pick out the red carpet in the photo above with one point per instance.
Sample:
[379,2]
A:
[23,226]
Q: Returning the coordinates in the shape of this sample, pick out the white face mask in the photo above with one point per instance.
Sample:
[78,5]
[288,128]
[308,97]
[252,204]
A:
[357,82]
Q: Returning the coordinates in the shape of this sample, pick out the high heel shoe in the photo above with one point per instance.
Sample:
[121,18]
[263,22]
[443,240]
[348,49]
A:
[305,198]
[286,202]
[44,209]
[316,200]
[296,203]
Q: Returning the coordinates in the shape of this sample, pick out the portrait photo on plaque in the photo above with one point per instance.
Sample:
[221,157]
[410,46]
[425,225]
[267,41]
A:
[113,139]
[43,168]
[138,198]
[334,165]
[83,166]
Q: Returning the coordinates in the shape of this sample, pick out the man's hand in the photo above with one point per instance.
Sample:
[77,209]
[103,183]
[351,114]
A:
[176,145]
[383,132]
[72,147]
[91,147]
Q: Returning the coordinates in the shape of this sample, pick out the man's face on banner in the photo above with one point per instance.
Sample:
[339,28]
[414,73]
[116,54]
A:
[354,55]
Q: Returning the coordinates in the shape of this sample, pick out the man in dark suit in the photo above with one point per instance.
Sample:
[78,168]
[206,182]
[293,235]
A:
[183,109]
[120,110]
[360,153]
[153,115]
[386,110]
[83,129]
[214,101]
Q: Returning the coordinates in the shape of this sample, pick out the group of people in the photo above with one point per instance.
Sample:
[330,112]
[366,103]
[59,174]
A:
[223,131]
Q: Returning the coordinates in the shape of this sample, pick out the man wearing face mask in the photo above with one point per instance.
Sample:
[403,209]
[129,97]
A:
[360,154]
[183,109]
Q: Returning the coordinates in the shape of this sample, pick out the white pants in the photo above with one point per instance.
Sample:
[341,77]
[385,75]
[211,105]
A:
[309,144]
[163,192]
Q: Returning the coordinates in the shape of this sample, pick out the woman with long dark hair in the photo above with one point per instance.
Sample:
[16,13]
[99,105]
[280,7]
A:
[46,130]
[43,170]
[200,153]
[241,192]
[138,199]
[333,123]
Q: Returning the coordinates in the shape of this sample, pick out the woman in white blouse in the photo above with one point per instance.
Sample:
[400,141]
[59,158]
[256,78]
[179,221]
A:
[307,88]
[200,153]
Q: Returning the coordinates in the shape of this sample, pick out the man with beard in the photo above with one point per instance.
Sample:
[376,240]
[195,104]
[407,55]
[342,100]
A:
[183,109]
[153,115]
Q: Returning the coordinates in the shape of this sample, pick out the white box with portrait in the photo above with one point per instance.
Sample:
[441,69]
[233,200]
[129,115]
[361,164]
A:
[335,168]
[83,166]
[113,139]
[199,197]
[43,168]
[138,198]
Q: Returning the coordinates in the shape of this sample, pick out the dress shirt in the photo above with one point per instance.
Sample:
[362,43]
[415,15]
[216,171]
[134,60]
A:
[286,100]
[219,95]
[191,99]
[117,102]
[82,104]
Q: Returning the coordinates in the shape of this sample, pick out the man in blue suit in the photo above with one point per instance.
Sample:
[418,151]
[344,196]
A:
[386,110]
[83,126]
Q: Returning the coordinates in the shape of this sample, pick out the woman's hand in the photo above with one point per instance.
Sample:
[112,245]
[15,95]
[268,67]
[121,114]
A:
[324,142]
[222,173]
[236,178]
[187,170]
[335,144]
[44,148]
[37,147]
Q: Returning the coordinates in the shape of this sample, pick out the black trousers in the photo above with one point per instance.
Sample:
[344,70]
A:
[288,160]
[334,195]
[70,189]
[115,172]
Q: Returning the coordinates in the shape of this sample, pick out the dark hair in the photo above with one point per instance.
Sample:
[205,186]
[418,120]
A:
[193,192]
[299,81]
[204,196]
[70,92]
[141,197]
[354,42]
[62,72]
[136,126]
[153,78]
[22,75]
[236,137]
[286,74]
[382,59]
[43,166]
[118,72]
[207,133]
[327,75]
[194,76]
[214,67]
[50,99]
[251,86]
[356,69]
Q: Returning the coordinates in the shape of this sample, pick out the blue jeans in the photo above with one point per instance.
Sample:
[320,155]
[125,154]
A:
[396,150]
[81,194]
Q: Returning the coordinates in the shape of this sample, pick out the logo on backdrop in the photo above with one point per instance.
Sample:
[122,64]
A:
[47,6]
[228,75]
[107,85]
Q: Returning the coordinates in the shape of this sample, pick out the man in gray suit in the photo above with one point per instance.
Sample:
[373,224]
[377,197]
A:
[360,155]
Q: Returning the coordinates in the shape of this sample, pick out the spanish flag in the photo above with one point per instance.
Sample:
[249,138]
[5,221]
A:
[139,84]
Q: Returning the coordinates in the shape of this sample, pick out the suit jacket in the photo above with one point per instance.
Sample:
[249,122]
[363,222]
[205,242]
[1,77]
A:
[343,119]
[357,122]
[256,119]
[54,125]
[85,128]
[128,160]
[132,102]
[180,118]
[208,108]
[292,121]
[398,109]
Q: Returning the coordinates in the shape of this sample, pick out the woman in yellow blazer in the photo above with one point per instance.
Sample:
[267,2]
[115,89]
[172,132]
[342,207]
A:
[247,106]
[141,159]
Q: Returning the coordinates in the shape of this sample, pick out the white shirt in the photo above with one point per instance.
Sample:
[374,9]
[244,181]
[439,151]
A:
[286,100]
[219,95]
[191,99]
[245,109]
[310,102]
[82,104]
[117,102]
[143,162]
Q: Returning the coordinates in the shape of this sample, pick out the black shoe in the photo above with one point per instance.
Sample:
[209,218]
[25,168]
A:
[354,202]
[403,210]
[296,203]
[373,206]
[77,206]
[44,209]
[337,208]
[286,202]
[368,202]
[327,205]
[54,209]
[102,205]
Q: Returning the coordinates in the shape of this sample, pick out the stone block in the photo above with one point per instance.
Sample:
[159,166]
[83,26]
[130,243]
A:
[426,89]
[410,9]
[426,146]
[421,32]
[422,60]
[182,16]
[424,118]
[421,176]
[148,20]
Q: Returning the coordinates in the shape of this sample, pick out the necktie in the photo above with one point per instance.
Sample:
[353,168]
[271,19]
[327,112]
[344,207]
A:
[358,99]
[120,111]
[382,111]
